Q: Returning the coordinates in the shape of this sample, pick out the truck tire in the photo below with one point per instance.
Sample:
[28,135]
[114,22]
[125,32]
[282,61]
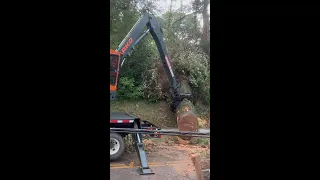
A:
[116,146]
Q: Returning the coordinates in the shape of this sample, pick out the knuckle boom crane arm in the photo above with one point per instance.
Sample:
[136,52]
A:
[126,47]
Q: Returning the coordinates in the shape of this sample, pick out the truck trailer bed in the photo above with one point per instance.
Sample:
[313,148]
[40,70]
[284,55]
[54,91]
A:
[122,120]
[122,116]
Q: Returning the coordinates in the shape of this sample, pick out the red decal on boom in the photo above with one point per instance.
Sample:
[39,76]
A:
[168,62]
[124,49]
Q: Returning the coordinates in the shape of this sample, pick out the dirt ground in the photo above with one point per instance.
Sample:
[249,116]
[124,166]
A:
[168,158]
[158,113]
[178,150]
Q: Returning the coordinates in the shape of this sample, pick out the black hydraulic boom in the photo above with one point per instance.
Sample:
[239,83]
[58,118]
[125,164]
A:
[148,24]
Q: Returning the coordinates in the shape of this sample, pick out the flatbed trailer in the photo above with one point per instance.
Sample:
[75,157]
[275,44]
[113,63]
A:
[127,120]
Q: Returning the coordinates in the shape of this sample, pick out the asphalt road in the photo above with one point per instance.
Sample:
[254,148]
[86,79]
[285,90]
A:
[126,168]
[161,173]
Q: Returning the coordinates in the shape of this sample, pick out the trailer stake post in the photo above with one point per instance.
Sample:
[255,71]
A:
[144,168]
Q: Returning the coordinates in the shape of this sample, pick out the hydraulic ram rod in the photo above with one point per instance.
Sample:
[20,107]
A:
[166,134]
[160,132]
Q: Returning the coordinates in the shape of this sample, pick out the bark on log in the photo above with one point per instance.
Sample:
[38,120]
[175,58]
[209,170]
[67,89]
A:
[186,117]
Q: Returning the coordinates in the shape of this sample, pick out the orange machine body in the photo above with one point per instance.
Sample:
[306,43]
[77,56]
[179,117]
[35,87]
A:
[114,69]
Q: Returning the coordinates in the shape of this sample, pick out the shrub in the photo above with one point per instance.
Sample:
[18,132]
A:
[127,89]
[195,65]
[192,64]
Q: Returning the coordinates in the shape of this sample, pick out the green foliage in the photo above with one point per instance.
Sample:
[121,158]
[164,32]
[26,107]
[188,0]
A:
[152,87]
[122,17]
[203,141]
[194,65]
[180,30]
[183,38]
[128,89]
[137,65]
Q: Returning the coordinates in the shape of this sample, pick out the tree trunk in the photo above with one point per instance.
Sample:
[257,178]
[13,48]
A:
[205,33]
[186,117]
[205,20]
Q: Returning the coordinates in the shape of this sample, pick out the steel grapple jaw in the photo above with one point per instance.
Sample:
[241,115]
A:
[178,99]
